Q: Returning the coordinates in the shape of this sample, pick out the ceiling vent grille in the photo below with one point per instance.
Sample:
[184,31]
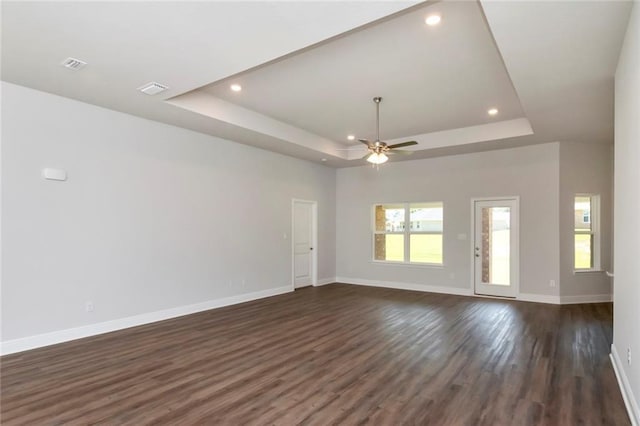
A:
[73,64]
[152,88]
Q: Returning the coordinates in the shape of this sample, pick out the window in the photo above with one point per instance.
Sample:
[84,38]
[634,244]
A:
[420,242]
[586,232]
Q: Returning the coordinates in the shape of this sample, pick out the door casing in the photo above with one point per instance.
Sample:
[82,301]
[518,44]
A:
[515,250]
[314,241]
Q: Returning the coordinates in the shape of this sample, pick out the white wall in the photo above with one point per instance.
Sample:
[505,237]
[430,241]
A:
[152,216]
[585,168]
[626,321]
[155,217]
[530,172]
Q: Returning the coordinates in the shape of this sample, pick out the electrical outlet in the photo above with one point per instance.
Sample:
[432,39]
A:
[629,356]
[89,306]
[552,283]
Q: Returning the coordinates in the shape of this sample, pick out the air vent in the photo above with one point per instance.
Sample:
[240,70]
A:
[73,64]
[152,88]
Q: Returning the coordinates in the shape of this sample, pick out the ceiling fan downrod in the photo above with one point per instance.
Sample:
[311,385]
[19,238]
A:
[377,100]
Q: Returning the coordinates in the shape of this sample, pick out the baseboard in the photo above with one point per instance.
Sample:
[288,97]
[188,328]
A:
[586,298]
[325,281]
[525,297]
[406,286]
[40,340]
[625,388]
[565,300]
[539,298]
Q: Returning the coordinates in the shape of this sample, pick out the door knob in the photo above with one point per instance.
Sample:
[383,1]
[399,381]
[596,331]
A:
[310,248]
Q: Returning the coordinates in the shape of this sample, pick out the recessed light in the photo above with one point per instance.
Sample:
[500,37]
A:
[351,137]
[323,159]
[236,87]
[433,20]
[492,111]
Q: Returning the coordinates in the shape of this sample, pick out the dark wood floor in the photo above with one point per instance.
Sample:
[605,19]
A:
[338,354]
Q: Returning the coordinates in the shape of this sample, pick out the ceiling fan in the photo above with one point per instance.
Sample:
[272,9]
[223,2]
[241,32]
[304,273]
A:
[378,149]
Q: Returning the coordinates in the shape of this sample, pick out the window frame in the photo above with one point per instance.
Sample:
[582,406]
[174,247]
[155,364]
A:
[594,232]
[406,232]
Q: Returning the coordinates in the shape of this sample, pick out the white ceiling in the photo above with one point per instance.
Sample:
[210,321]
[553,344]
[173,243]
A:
[310,69]
[328,90]
[562,57]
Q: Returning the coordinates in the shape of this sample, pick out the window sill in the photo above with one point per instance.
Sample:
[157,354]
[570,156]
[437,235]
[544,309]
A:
[409,265]
[587,271]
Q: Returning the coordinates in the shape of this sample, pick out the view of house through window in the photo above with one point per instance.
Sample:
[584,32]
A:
[419,242]
[586,237]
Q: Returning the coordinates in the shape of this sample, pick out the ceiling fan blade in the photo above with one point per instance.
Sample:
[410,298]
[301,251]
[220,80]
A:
[400,145]
[364,141]
[399,152]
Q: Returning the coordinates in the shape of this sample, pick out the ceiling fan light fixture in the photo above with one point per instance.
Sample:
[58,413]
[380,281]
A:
[376,158]
[377,150]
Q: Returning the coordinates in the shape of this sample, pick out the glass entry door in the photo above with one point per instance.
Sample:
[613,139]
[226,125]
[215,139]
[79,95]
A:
[495,249]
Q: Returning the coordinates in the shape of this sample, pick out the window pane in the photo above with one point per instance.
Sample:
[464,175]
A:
[426,248]
[582,214]
[583,250]
[426,217]
[390,218]
[389,247]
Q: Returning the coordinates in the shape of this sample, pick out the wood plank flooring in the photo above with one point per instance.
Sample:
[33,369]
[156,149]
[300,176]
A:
[337,354]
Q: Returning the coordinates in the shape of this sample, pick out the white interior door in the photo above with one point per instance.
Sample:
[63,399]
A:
[495,249]
[303,243]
